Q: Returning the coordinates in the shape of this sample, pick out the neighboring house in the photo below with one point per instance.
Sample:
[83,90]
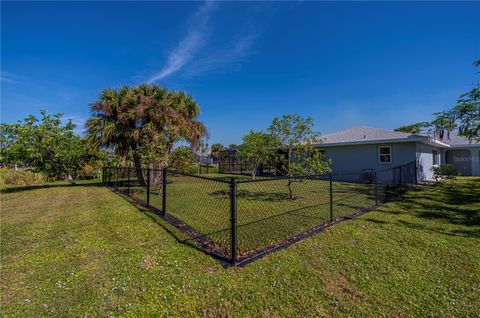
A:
[462,153]
[366,148]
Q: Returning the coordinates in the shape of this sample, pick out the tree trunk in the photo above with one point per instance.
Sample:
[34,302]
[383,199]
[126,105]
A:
[123,161]
[254,171]
[290,191]
[138,169]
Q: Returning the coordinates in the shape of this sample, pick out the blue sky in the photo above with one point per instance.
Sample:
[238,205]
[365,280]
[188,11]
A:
[345,64]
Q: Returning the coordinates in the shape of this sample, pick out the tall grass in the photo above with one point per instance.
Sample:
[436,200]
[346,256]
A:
[20,177]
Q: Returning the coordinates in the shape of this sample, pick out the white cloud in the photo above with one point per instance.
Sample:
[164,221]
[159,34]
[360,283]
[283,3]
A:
[193,41]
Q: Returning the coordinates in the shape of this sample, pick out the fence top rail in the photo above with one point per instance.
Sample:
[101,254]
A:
[198,176]
[312,176]
[174,172]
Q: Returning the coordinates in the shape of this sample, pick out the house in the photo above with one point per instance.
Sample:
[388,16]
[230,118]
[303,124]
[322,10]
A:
[372,149]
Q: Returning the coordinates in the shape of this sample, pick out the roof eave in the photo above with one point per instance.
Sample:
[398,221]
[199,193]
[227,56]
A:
[385,141]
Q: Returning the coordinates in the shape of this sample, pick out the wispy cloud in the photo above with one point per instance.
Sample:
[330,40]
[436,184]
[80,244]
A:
[8,78]
[206,48]
[188,46]
[235,52]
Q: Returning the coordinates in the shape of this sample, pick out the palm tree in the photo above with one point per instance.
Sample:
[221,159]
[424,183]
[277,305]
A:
[131,118]
[106,127]
[215,151]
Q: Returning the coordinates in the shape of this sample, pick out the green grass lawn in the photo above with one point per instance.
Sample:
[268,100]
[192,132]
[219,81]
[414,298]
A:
[85,251]
[266,213]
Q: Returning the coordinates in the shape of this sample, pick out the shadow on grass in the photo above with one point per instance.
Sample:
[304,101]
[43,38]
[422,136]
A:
[252,195]
[49,186]
[449,203]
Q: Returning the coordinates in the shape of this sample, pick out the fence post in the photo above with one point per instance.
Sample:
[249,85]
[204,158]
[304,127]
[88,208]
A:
[164,191]
[376,188]
[416,172]
[331,198]
[148,186]
[400,168]
[116,182]
[103,174]
[233,219]
[128,181]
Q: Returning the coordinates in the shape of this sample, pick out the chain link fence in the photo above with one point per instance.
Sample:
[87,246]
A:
[239,220]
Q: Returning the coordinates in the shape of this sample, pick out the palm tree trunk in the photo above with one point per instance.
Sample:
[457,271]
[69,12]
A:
[123,161]
[138,169]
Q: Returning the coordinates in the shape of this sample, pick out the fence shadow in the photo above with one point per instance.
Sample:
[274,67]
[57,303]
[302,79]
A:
[49,186]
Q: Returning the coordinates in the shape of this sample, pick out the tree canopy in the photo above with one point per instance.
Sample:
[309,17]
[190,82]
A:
[47,145]
[259,148]
[295,136]
[145,121]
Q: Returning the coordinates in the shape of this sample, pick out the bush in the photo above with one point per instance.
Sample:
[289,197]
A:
[91,171]
[445,171]
[21,177]
[181,160]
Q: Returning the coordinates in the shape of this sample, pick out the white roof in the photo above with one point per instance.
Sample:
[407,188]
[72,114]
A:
[369,135]
[455,140]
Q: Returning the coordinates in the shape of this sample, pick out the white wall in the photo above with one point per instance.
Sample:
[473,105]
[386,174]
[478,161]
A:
[424,157]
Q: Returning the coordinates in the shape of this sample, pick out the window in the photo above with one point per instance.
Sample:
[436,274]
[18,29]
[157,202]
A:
[385,154]
[435,157]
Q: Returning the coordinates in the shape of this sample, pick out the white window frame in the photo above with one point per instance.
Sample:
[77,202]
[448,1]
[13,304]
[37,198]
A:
[379,155]
[435,155]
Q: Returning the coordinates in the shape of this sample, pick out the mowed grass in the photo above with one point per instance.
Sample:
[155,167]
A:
[265,213]
[85,251]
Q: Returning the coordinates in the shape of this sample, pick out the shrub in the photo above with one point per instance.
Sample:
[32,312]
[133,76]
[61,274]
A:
[445,171]
[91,171]
[181,160]
[21,177]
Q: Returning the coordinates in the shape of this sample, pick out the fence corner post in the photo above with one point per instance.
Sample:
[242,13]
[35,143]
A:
[164,191]
[148,186]
[233,220]
[128,181]
[331,198]
[116,182]
[376,188]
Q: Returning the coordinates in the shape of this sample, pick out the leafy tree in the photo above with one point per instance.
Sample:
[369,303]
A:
[414,128]
[181,159]
[294,136]
[46,145]
[215,151]
[467,112]
[444,122]
[259,148]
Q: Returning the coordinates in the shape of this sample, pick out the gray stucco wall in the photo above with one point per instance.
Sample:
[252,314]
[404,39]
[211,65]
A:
[363,157]
[425,161]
